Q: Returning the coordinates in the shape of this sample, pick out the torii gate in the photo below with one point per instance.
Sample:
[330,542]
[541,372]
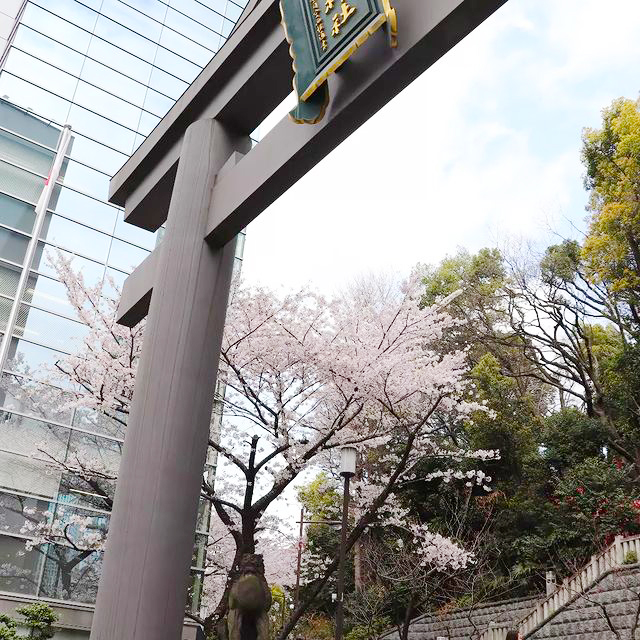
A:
[197,171]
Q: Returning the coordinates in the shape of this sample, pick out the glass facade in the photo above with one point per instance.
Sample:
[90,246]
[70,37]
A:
[110,69]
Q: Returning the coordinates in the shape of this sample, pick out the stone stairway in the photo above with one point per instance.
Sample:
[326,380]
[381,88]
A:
[571,588]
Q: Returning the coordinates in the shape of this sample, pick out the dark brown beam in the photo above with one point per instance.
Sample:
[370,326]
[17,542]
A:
[370,79]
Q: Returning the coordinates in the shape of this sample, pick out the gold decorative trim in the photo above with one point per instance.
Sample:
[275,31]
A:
[346,54]
[390,17]
[292,53]
[392,22]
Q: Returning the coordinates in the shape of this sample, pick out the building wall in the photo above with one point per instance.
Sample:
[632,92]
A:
[111,69]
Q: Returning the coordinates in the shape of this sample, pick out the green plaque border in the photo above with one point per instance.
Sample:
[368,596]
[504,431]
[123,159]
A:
[311,66]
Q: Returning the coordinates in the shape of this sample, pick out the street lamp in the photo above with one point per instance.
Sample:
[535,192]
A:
[347,470]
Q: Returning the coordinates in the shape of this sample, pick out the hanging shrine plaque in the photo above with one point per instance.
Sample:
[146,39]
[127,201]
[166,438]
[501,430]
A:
[322,34]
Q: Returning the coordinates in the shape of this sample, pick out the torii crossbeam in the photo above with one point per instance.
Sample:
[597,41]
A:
[197,171]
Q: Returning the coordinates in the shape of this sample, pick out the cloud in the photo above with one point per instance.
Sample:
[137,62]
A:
[485,143]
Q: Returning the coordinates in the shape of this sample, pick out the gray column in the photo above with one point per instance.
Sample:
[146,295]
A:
[142,593]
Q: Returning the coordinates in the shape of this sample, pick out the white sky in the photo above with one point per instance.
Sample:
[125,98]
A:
[484,146]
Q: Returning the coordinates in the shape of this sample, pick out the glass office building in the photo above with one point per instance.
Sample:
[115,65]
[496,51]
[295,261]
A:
[110,69]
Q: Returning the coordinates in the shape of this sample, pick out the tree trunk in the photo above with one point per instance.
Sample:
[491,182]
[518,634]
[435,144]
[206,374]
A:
[212,621]
[357,566]
[247,546]
[408,615]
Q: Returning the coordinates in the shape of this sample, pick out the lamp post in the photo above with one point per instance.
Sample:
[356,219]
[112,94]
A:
[347,470]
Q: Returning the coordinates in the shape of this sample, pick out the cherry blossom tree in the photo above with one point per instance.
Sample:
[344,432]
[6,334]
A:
[303,376]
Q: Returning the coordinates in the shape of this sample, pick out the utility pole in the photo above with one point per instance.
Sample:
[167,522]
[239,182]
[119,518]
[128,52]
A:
[296,597]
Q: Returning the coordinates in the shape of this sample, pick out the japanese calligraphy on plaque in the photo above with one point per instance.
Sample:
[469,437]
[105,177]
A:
[322,35]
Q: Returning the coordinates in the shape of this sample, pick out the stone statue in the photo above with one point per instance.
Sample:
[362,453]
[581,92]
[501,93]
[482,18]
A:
[249,601]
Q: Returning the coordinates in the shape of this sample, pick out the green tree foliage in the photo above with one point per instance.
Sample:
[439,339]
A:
[611,156]
[598,501]
[552,340]
[322,503]
[554,360]
[38,619]
[569,438]
[7,628]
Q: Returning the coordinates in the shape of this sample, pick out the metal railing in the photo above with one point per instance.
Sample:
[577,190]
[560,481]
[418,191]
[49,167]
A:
[496,631]
[612,557]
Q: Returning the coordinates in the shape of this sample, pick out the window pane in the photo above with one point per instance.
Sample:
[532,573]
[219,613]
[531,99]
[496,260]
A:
[134,20]
[13,246]
[195,26]
[75,237]
[233,11]
[33,98]
[155,10]
[114,82]
[157,103]
[139,139]
[20,183]
[32,437]
[92,272]
[55,27]
[138,236]
[20,473]
[125,39]
[28,357]
[41,74]
[89,211]
[97,155]
[147,123]
[98,422]
[186,48]
[101,452]
[12,512]
[9,275]
[87,491]
[47,49]
[167,84]
[20,572]
[26,154]
[95,183]
[77,584]
[125,256]
[118,278]
[49,294]
[46,328]
[42,401]
[177,66]
[107,105]
[16,213]
[227,27]
[119,59]
[24,123]
[72,11]
[101,129]
[5,309]
[199,12]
